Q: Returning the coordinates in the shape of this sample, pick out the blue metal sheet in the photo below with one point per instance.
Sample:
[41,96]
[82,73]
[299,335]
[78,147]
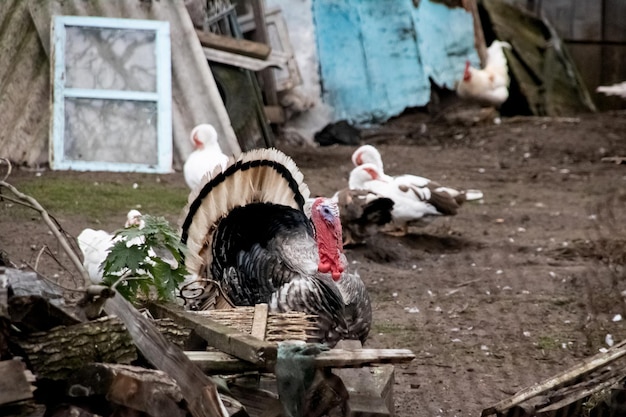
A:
[376,57]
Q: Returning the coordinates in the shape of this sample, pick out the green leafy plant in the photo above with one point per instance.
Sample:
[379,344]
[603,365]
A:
[133,267]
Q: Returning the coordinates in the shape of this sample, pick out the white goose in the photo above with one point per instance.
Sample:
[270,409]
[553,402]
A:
[206,157]
[411,205]
[369,154]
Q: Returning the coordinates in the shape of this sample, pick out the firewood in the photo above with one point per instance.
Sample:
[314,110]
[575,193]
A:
[198,389]
[14,385]
[146,390]
[583,368]
[34,304]
[57,353]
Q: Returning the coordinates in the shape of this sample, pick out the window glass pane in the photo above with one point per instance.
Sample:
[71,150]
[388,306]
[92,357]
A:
[110,59]
[111,131]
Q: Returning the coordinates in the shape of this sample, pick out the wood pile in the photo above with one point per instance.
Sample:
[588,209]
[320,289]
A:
[166,361]
[594,387]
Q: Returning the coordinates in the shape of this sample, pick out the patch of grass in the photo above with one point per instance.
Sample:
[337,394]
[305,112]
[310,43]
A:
[548,343]
[73,196]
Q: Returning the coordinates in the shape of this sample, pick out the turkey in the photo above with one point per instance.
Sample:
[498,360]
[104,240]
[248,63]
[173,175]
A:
[247,229]
[362,214]
[369,154]
[96,244]
[206,157]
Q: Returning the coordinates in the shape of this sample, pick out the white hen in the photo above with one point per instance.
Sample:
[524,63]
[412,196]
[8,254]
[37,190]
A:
[96,244]
[490,85]
[206,157]
[618,89]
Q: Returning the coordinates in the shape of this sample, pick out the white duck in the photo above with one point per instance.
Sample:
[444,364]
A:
[96,244]
[206,157]
[369,154]
[412,205]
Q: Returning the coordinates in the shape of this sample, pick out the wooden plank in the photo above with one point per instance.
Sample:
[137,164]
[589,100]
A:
[146,390]
[344,358]
[613,21]
[198,389]
[588,365]
[221,337]
[266,77]
[365,399]
[275,114]
[13,385]
[276,59]
[237,46]
[220,362]
[259,321]
[384,378]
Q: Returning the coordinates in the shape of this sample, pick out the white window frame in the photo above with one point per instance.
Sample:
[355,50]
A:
[162,97]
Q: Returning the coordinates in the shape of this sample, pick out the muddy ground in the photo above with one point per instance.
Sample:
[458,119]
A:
[510,291]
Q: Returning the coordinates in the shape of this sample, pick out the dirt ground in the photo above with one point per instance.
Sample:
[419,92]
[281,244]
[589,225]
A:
[510,291]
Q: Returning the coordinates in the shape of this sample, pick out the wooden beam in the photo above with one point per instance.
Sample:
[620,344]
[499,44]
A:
[479,36]
[342,358]
[224,338]
[220,362]
[237,46]
[275,60]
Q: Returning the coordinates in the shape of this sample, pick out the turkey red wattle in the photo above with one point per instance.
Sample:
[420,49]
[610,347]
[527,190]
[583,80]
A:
[325,217]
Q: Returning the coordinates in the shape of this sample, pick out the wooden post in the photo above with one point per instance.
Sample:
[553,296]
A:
[479,36]
[260,35]
[259,321]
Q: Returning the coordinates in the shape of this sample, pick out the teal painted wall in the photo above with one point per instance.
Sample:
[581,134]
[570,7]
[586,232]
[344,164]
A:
[376,56]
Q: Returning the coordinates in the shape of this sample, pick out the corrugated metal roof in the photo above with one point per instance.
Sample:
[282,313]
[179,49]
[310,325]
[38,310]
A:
[25,79]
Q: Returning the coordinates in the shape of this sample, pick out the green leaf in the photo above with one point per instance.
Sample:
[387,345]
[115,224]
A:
[144,273]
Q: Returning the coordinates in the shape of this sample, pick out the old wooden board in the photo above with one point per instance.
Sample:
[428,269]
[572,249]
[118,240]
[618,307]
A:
[223,363]
[545,81]
[583,368]
[146,390]
[199,390]
[224,338]
[13,384]
[366,397]
[259,321]
[275,60]
[233,45]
